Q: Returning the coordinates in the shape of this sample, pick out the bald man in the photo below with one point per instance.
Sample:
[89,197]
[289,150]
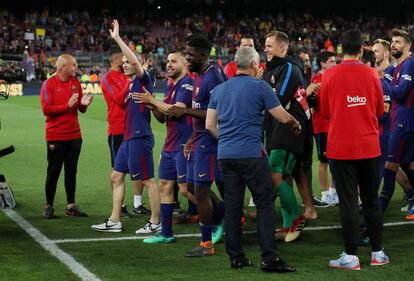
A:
[61,98]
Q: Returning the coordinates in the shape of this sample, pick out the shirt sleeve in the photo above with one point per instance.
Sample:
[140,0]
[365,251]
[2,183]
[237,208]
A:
[213,100]
[324,100]
[215,78]
[270,100]
[379,94]
[185,93]
[148,83]
[46,99]
[405,83]
[111,93]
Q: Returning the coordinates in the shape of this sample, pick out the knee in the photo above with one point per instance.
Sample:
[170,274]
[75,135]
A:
[116,178]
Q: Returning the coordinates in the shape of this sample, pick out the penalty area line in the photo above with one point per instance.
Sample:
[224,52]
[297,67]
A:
[49,245]
[187,235]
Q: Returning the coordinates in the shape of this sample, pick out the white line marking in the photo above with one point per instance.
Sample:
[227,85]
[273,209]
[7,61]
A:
[49,245]
[312,228]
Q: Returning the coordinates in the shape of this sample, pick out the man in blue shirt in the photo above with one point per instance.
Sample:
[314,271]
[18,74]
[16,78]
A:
[237,107]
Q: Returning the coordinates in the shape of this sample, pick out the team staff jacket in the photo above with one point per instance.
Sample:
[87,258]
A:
[114,88]
[61,120]
[320,124]
[286,78]
[402,88]
[352,98]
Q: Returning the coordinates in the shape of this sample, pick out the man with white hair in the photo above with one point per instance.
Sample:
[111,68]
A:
[241,156]
[61,98]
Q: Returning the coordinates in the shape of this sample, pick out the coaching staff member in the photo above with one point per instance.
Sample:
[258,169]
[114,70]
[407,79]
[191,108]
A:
[351,97]
[61,98]
[237,107]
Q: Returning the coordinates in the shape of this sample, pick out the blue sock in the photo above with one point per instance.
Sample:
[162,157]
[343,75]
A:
[218,213]
[387,189]
[205,232]
[192,208]
[166,219]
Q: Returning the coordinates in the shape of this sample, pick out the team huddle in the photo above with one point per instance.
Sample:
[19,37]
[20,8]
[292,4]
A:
[253,125]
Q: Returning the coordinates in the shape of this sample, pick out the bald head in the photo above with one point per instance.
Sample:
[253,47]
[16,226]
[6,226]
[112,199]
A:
[66,66]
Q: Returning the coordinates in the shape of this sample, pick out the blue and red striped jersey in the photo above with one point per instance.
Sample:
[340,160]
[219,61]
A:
[178,130]
[203,85]
[402,86]
[137,115]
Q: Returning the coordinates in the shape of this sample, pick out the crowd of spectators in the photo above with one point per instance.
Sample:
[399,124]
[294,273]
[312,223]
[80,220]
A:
[42,35]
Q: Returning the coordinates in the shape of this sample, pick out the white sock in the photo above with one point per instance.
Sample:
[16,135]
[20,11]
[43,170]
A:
[137,201]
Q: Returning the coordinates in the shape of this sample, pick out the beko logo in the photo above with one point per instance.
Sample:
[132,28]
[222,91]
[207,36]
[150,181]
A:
[356,101]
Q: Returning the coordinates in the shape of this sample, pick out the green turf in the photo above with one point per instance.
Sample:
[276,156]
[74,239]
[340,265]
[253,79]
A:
[22,259]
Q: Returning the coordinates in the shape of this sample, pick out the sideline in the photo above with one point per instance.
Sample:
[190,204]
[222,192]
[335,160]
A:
[314,228]
[49,245]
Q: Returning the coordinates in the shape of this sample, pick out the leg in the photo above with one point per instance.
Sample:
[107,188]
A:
[55,157]
[345,175]
[154,198]
[388,188]
[71,164]
[118,193]
[258,178]
[368,186]
[304,188]
[234,187]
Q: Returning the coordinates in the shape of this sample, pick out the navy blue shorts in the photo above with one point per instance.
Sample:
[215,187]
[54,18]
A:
[173,166]
[401,147]
[206,169]
[135,157]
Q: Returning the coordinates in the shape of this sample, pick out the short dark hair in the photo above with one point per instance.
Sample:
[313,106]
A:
[323,57]
[368,56]
[401,33]
[114,49]
[178,51]
[279,36]
[352,41]
[200,42]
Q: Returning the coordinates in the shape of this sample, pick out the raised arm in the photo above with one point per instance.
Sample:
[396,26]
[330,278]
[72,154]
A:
[130,56]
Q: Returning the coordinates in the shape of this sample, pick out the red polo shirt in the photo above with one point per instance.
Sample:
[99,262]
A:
[112,86]
[351,96]
[61,120]
[320,124]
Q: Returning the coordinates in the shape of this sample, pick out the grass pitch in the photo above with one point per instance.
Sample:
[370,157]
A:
[22,124]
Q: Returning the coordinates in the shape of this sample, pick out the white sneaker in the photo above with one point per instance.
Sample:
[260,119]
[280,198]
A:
[379,258]
[149,228]
[108,226]
[251,202]
[346,262]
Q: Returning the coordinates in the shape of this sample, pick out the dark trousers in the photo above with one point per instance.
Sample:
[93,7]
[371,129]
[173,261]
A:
[255,173]
[59,153]
[349,176]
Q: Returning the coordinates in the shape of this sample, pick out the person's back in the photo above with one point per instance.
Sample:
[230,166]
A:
[240,106]
[353,131]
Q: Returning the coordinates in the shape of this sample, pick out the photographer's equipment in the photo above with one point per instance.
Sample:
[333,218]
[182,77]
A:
[11,74]
[6,193]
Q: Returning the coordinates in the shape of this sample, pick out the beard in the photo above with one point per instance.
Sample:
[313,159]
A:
[194,67]
[175,74]
[396,54]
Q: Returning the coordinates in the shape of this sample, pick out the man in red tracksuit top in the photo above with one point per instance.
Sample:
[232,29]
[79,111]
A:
[61,98]
[351,97]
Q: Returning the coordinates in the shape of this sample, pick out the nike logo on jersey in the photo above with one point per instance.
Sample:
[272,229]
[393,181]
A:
[135,175]
[181,176]
[201,175]
[356,101]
